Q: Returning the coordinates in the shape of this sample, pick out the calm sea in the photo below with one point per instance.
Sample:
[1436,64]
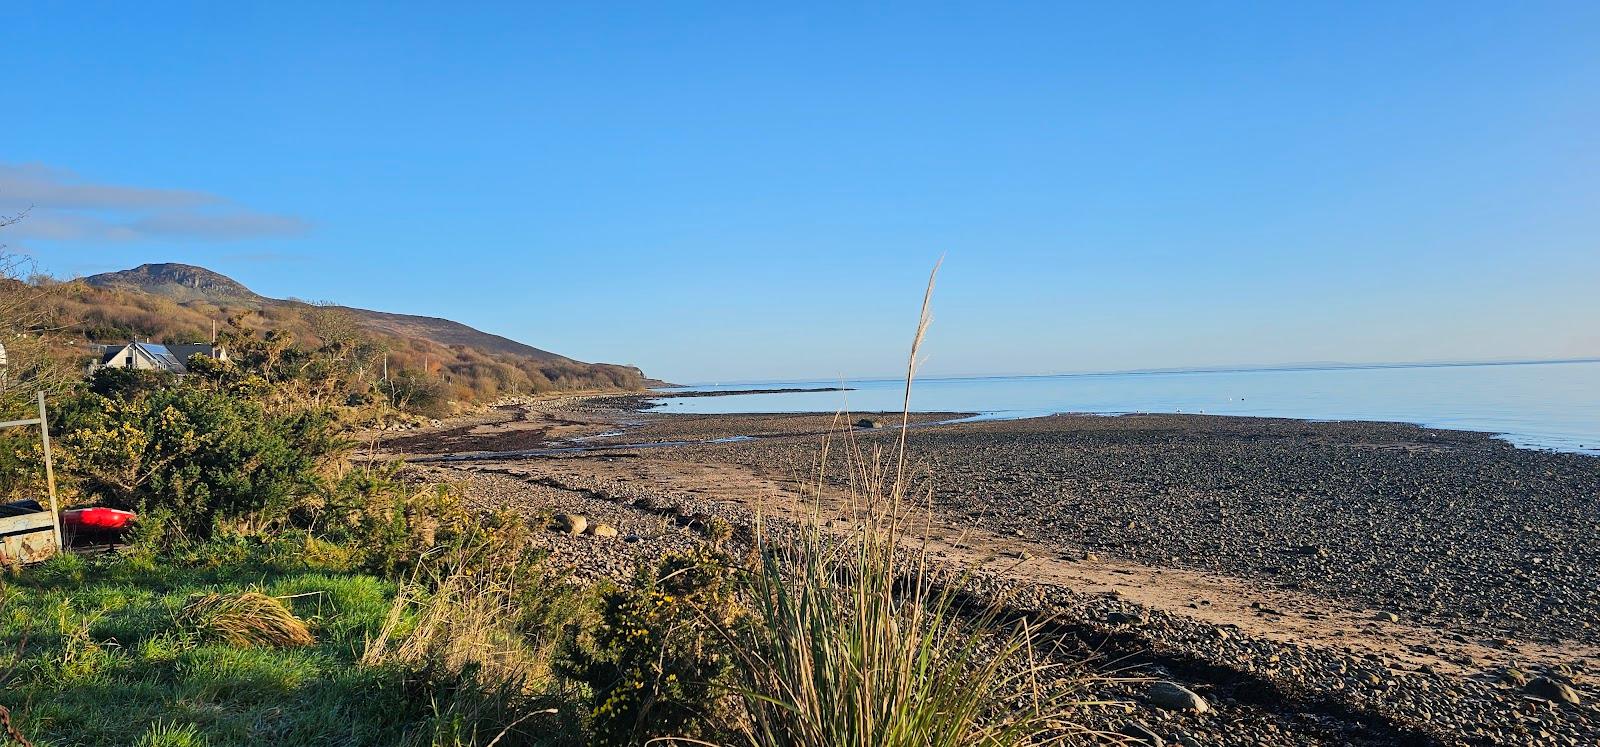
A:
[1534,405]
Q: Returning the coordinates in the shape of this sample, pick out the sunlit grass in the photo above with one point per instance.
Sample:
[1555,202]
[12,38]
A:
[96,652]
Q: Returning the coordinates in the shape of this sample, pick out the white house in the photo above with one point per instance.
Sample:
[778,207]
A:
[145,356]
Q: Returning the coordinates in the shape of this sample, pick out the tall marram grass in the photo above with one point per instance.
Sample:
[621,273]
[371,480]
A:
[862,642]
[479,631]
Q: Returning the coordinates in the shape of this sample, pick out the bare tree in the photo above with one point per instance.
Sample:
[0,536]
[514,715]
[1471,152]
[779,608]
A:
[33,357]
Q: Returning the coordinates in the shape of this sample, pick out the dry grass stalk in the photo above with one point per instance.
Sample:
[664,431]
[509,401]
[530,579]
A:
[858,642]
[462,621]
[247,618]
[456,622]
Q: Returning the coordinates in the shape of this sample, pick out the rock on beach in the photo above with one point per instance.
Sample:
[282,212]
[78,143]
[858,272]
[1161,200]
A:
[570,523]
[1175,697]
[1552,690]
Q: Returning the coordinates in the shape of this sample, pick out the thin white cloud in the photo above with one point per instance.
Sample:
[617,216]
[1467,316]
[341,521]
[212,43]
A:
[226,225]
[58,205]
[53,226]
[45,187]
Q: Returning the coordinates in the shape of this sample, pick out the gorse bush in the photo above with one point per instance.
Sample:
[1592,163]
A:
[192,460]
[202,463]
[656,662]
[414,392]
[392,522]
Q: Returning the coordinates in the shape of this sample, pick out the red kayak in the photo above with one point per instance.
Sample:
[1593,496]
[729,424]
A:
[97,518]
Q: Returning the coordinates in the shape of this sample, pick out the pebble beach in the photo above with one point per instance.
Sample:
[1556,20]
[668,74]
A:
[1310,582]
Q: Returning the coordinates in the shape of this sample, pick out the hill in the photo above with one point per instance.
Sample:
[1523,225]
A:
[182,303]
[188,284]
[181,283]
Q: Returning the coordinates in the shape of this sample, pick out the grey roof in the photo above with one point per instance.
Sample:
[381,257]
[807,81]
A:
[185,350]
[163,356]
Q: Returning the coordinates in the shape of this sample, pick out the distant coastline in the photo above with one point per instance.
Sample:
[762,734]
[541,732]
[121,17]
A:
[730,392]
[1534,404]
[1235,368]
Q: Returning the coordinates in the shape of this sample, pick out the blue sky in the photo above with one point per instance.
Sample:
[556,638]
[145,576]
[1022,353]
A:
[723,192]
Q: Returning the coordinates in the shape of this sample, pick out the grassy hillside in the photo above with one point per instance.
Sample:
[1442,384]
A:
[190,284]
[170,304]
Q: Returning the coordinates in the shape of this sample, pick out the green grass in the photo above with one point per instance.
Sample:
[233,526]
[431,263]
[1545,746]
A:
[111,651]
[93,653]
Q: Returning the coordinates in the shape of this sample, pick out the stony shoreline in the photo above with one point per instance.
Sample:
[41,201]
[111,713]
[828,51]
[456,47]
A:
[1482,553]
[1440,526]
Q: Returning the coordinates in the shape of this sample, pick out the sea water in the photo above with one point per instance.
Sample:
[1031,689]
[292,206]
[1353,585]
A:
[1533,405]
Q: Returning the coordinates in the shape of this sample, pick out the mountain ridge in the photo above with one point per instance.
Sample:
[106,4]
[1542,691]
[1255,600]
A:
[178,281]
[186,283]
[180,303]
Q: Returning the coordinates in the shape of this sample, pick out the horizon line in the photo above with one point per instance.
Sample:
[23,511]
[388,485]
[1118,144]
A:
[1225,368]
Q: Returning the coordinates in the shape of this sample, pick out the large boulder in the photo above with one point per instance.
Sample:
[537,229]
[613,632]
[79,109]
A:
[1175,697]
[1550,689]
[570,523]
[603,530]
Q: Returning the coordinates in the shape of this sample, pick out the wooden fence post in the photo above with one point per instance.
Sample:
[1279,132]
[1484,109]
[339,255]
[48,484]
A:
[50,473]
